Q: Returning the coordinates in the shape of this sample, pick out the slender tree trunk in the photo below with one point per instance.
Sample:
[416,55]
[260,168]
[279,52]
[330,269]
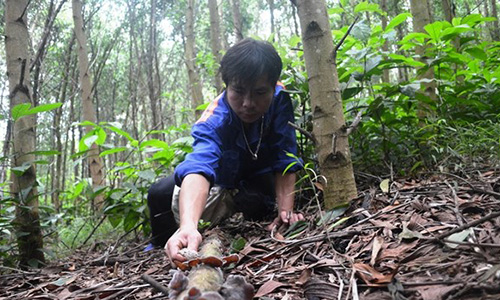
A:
[334,156]
[215,40]
[385,47]
[271,12]
[448,9]
[190,57]
[422,17]
[89,112]
[237,20]
[153,100]
[132,75]
[495,33]
[23,187]
[223,30]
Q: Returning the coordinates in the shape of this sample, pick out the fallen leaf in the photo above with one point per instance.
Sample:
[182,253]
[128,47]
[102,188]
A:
[384,185]
[371,276]
[436,292]
[378,242]
[458,237]
[304,276]
[268,287]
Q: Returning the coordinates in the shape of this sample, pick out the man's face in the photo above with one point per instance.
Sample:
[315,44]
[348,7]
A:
[250,101]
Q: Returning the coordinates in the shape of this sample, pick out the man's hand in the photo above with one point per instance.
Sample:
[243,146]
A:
[285,217]
[183,238]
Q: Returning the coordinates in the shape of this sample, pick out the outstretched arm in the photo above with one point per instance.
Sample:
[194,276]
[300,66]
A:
[192,200]
[285,185]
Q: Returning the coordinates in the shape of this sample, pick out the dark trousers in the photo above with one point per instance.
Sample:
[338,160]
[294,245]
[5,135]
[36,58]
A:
[255,198]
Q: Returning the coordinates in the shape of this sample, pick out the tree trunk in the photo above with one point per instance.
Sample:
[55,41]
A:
[385,47]
[23,187]
[448,9]
[237,21]
[190,57]
[422,17]
[153,99]
[271,12]
[215,41]
[496,29]
[89,112]
[334,156]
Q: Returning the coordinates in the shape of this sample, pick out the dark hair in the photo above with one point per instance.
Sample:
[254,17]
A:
[250,59]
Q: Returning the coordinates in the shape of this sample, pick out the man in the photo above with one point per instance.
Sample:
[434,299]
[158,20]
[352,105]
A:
[240,151]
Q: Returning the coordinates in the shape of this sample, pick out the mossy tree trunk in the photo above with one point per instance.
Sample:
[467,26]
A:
[326,104]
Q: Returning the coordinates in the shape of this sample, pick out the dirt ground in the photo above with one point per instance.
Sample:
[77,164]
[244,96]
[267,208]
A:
[432,237]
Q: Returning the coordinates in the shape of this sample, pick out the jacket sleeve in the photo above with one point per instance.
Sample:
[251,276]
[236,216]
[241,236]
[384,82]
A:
[204,159]
[284,140]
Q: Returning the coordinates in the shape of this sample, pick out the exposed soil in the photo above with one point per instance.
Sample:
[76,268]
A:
[434,237]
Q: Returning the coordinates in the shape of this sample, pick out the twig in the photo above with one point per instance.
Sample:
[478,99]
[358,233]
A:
[355,123]
[334,54]
[155,284]
[466,226]
[484,245]
[94,230]
[304,132]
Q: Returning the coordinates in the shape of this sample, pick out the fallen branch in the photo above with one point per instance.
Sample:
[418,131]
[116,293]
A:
[466,226]
[158,286]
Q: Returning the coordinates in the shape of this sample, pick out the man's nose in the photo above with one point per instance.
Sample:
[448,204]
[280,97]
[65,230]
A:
[248,101]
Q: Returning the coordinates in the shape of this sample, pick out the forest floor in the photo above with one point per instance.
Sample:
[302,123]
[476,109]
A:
[432,237]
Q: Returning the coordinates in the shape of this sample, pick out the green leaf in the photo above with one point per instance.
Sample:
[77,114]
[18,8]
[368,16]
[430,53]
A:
[20,170]
[289,166]
[434,30]
[365,6]
[148,175]
[24,109]
[396,21]
[335,11]
[111,151]
[331,215]
[20,110]
[477,52]
[45,152]
[155,143]
[87,123]
[203,106]
[361,31]
[238,244]
[120,132]
[130,220]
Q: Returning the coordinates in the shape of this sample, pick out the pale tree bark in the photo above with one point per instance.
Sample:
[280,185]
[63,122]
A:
[215,40]
[23,187]
[329,126]
[421,17]
[190,59]
[96,167]
[237,20]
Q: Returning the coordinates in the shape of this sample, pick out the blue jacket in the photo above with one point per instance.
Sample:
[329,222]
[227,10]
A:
[219,149]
